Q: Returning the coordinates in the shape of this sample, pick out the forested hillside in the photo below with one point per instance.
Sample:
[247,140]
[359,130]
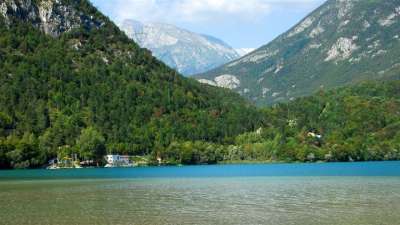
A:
[357,123]
[72,82]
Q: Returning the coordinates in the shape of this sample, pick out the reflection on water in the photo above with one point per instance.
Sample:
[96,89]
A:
[213,200]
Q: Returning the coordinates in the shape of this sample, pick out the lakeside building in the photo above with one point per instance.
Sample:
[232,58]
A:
[118,161]
[73,162]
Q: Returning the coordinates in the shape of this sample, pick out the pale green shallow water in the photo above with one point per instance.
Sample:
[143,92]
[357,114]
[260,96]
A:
[308,200]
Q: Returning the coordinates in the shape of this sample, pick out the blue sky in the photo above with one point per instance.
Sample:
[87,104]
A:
[240,23]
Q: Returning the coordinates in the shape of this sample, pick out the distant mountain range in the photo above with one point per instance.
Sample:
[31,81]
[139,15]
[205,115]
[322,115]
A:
[340,43]
[189,53]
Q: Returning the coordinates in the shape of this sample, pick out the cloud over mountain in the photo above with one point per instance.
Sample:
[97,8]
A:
[197,11]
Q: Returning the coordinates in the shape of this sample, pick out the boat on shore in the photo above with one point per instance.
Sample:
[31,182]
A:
[64,163]
[56,167]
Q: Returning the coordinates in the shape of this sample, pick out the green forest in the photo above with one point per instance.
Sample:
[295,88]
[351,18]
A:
[359,123]
[92,91]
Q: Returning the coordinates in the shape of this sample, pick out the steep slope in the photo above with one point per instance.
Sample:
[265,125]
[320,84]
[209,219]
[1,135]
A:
[341,42]
[188,52]
[72,82]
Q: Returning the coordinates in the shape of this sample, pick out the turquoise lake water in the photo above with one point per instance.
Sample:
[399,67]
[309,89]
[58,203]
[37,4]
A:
[329,193]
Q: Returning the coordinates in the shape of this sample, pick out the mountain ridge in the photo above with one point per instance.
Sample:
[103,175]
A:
[186,51]
[340,43]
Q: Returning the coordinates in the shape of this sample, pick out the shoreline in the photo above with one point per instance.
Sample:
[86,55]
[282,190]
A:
[222,163]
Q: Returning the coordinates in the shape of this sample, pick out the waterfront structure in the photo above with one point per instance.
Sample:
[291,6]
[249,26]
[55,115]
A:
[118,161]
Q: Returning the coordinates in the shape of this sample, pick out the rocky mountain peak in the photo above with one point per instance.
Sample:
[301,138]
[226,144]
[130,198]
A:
[186,51]
[53,17]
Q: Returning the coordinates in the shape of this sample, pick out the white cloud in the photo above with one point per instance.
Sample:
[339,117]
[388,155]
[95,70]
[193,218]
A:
[212,9]
[196,10]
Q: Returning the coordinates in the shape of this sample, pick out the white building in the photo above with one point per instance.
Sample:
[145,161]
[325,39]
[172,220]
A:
[118,160]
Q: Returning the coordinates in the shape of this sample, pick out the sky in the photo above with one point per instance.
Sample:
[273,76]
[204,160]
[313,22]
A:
[240,23]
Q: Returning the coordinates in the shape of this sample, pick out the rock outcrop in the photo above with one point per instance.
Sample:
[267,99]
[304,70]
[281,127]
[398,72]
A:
[53,17]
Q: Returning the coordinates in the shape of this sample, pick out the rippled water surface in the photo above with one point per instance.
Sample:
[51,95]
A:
[365,193]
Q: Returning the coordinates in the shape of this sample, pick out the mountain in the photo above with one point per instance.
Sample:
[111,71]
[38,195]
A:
[244,51]
[340,43]
[72,83]
[188,52]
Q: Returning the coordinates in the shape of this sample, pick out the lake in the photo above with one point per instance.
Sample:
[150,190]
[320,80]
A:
[329,193]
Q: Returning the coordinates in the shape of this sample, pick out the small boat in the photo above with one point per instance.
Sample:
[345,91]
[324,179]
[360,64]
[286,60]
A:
[53,167]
